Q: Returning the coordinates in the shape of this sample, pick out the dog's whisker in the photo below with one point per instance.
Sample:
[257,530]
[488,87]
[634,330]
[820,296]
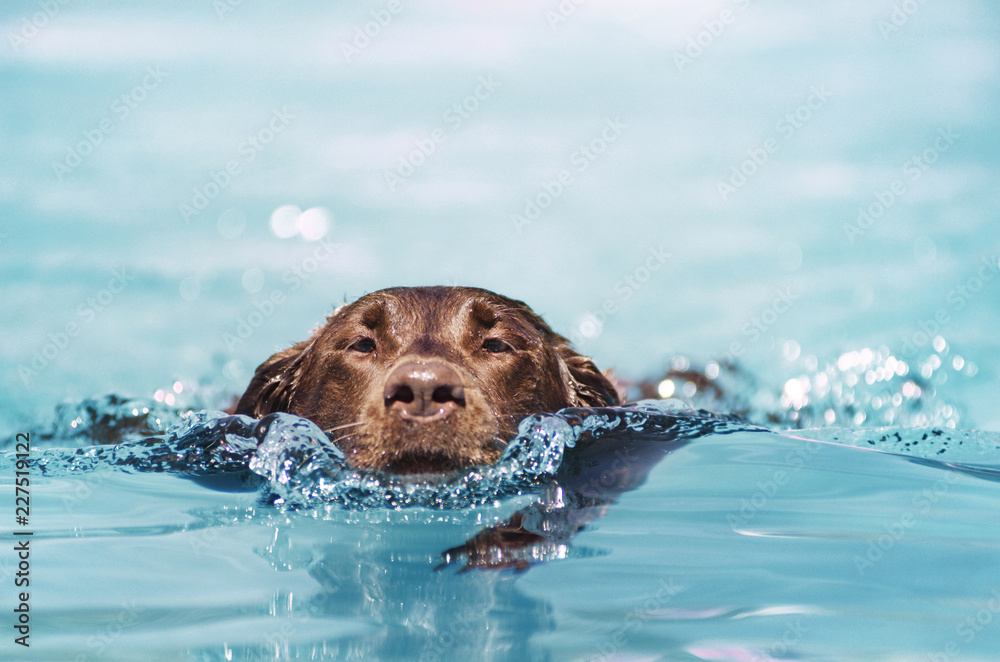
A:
[343,427]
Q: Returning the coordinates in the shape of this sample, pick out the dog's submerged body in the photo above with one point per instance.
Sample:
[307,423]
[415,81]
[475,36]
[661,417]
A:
[426,379]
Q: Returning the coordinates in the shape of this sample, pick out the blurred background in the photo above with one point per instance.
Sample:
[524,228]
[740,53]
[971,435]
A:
[187,187]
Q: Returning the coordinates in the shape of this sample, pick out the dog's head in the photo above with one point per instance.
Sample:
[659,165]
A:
[426,379]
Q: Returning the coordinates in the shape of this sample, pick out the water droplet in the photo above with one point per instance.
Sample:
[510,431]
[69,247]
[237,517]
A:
[313,224]
[791,350]
[253,280]
[232,223]
[940,346]
[666,388]
[234,370]
[589,326]
[285,221]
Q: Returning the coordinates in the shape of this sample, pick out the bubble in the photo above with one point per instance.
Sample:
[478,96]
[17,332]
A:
[233,370]
[940,346]
[232,223]
[791,350]
[795,391]
[253,280]
[680,363]
[847,361]
[666,388]
[790,256]
[590,326]
[285,221]
[314,223]
[190,288]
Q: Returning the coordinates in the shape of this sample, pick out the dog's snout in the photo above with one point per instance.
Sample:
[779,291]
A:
[424,390]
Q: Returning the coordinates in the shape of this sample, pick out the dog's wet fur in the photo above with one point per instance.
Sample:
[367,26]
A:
[416,380]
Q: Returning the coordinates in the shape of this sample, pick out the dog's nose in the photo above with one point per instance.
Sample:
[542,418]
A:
[424,391]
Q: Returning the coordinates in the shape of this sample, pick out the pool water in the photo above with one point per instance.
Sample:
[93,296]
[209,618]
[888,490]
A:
[743,544]
[795,199]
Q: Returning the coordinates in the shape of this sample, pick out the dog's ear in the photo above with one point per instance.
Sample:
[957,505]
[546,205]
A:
[274,383]
[587,386]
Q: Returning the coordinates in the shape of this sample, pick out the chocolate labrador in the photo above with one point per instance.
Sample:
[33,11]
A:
[426,379]
[417,380]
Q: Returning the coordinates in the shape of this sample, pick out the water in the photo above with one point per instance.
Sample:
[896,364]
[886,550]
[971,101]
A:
[742,544]
[800,204]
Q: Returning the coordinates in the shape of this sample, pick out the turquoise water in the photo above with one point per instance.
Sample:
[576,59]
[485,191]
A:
[742,545]
[807,190]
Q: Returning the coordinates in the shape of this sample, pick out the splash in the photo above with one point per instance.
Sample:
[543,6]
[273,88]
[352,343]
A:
[864,388]
[300,467]
[303,467]
[850,399]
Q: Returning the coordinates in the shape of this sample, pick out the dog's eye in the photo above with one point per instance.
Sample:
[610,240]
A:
[495,346]
[363,345]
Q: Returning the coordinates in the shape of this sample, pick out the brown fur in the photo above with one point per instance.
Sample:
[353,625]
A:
[426,379]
